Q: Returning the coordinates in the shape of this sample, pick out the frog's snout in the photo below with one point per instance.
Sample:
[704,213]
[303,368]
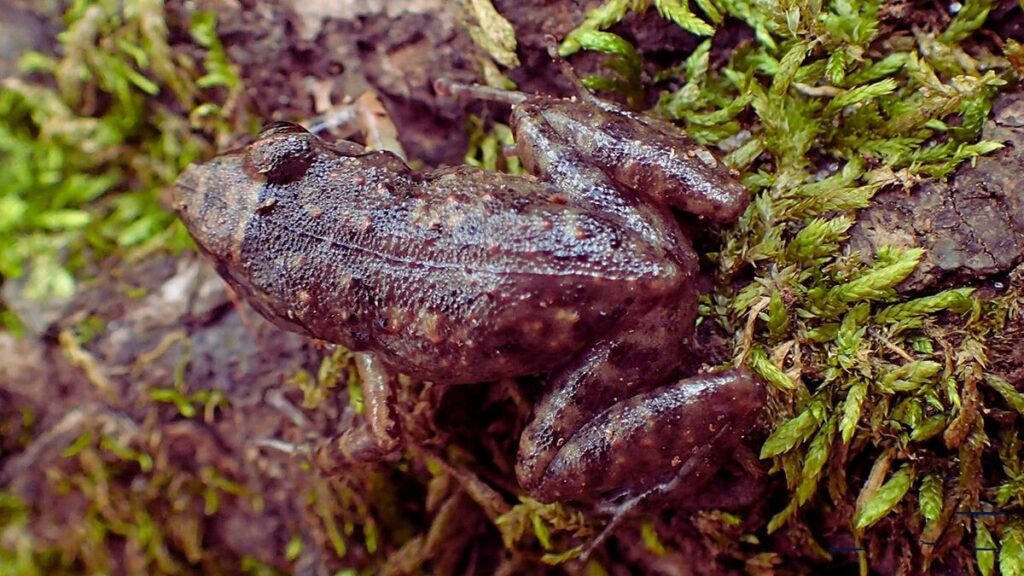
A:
[216,201]
[185,188]
[192,194]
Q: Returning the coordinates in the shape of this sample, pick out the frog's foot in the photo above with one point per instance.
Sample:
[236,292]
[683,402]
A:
[289,448]
[582,92]
[687,482]
[446,87]
[663,444]
[355,447]
[379,436]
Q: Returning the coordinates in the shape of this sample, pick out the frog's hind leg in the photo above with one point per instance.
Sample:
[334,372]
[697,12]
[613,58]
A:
[669,440]
[694,472]
[545,153]
[662,444]
[651,158]
[613,424]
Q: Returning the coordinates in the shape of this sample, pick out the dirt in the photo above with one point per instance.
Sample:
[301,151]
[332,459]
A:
[20,31]
[289,50]
[142,343]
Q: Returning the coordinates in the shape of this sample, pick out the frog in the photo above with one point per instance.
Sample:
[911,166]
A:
[577,272]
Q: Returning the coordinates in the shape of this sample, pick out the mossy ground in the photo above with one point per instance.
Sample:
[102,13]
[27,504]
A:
[889,429]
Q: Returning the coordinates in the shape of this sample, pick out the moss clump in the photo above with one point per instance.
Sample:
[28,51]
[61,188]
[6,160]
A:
[131,507]
[89,139]
[877,399]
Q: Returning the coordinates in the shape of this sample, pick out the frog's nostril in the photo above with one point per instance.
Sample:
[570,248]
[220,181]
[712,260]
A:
[185,189]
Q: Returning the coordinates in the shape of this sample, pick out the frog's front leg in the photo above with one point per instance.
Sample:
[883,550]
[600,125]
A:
[600,436]
[376,438]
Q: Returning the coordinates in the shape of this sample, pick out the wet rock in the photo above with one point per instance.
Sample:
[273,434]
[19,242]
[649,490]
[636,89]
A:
[971,225]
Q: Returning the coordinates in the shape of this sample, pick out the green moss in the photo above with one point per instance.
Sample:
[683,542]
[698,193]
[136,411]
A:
[333,367]
[20,553]
[17,428]
[131,508]
[613,11]
[87,150]
[495,37]
[487,145]
[552,526]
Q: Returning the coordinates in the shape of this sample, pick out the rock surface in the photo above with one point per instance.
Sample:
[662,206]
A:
[971,225]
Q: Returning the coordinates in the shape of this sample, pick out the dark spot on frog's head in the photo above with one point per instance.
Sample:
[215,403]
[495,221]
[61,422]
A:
[281,154]
[281,127]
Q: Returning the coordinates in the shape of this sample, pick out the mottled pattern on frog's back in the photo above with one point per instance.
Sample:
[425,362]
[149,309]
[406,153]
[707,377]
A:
[461,277]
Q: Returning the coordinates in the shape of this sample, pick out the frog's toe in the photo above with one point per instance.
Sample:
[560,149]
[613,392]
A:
[354,447]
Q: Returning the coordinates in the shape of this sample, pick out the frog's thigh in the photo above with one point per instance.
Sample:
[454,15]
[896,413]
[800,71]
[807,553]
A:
[546,155]
[655,159]
[643,442]
[642,354]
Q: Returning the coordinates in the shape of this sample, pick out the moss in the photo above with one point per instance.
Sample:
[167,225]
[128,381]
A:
[141,510]
[21,554]
[315,390]
[90,141]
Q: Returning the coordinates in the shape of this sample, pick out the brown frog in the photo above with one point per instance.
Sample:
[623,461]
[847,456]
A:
[458,275]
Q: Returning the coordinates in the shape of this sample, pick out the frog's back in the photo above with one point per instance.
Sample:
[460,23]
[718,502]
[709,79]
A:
[459,277]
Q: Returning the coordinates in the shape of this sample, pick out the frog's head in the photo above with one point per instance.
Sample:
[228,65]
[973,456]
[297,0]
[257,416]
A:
[217,199]
[229,203]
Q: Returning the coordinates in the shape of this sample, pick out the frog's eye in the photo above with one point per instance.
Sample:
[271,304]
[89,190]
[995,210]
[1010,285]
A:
[282,153]
[281,128]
